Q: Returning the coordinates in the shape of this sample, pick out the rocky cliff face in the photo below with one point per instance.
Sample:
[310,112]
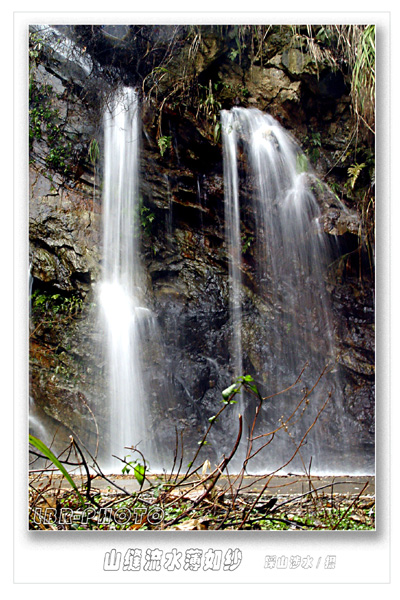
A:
[182,222]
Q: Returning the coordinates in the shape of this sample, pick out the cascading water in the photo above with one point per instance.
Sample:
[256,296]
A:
[232,220]
[129,322]
[292,255]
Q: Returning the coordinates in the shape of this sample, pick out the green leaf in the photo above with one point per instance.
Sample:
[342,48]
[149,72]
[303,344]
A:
[217,131]
[164,142]
[94,151]
[353,173]
[161,69]
[253,388]
[48,453]
[230,391]
[247,378]
[139,471]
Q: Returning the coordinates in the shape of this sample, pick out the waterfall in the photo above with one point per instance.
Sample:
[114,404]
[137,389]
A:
[267,182]
[233,236]
[129,322]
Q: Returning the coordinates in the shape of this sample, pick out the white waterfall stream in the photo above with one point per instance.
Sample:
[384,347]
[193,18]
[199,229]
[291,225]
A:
[291,258]
[122,295]
[232,221]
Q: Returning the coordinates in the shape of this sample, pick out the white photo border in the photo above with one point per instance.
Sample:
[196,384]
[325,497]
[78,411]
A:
[41,557]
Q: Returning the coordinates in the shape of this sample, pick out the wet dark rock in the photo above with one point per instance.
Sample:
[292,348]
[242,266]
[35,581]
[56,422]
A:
[64,240]
[297,62]
[338,221]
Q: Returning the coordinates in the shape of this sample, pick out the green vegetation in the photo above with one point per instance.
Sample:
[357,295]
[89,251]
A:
[50,314]
[313,144]
[55,305]
[363,75]
[145,218]
[247,242]
[94,151]
[47,127]
[352,49]
[353,173]
[35,50]
[164,143]
[45,451]
[45,124]
[139,470]
[210,107]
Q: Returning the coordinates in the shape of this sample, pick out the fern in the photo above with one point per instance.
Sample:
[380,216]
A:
[353,173]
